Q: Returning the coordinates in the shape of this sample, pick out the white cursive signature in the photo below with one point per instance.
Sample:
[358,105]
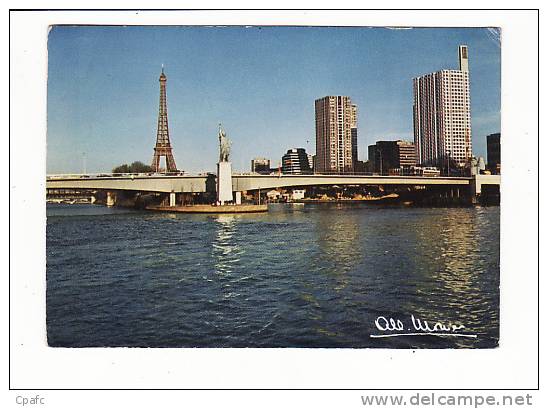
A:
[397,328]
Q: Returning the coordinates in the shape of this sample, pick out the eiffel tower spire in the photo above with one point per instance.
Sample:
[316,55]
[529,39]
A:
[163,145]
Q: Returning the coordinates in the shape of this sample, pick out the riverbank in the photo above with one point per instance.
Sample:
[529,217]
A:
[367,199]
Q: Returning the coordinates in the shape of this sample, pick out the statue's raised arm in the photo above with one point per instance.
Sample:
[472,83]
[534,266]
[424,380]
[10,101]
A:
[224,145]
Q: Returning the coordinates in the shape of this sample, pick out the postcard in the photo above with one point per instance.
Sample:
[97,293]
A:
[312,187]
[227,200]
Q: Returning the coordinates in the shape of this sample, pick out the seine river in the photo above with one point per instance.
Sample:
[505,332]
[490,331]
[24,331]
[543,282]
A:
[317,275]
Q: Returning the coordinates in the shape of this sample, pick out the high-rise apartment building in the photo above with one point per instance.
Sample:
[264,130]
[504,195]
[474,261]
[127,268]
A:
[441,116]
[336,144]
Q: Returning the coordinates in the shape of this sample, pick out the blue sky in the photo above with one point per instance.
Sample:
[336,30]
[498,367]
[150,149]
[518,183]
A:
[260,82]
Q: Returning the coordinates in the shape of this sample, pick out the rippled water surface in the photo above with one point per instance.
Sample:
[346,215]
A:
[298,276]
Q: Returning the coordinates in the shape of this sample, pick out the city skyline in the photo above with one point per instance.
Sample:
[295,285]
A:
[261,82]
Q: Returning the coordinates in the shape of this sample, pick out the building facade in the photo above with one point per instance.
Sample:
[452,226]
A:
[493,152]
[387,155]
[354,136]
[441,116]
[311,162]
[336,142]
[407,156]
[295,162]
[371,158]
[260,165]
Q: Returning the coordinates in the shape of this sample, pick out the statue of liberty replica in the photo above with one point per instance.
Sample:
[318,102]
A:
[224,145]
[224,170]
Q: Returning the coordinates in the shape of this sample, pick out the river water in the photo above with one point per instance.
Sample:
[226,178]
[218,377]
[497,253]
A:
[317,275]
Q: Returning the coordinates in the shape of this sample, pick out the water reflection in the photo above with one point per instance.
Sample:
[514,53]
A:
[458,242]
[326,290]
[339,246]
[226,251]
[450,283]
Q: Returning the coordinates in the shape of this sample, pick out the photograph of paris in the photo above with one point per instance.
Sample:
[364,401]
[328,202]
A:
[273,187]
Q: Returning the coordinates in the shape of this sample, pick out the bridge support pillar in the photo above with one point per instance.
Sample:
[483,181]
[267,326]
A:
[238,196]
[172,199]
[111,198]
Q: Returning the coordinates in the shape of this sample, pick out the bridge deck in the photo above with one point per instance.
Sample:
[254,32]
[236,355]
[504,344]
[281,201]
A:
[241,182]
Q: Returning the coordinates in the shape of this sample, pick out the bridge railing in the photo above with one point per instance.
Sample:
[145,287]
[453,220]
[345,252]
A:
[92,175]
[120,175]
[346,175]
[236,174]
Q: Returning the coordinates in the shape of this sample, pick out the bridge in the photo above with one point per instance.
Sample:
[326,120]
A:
[241,182]
[154,183]
[182,183]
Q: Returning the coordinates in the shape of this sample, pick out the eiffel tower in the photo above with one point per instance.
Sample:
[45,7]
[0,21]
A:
[163,146]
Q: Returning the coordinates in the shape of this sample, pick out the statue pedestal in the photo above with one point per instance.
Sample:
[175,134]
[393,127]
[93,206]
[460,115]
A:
[224,183]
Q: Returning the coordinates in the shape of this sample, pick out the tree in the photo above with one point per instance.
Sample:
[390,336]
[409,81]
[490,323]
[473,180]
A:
[135,167]
[139,167]
[121,169]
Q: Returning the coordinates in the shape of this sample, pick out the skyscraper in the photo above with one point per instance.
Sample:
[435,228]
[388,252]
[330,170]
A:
[441,116]
[336,116]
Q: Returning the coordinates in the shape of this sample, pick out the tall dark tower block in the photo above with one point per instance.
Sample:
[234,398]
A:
[163,145]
